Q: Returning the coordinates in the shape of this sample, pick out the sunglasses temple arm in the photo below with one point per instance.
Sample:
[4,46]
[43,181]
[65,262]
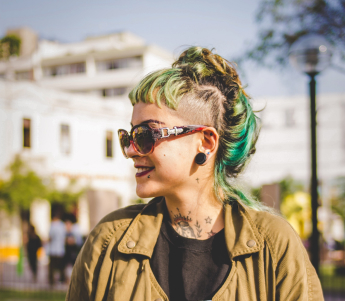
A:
[192,129]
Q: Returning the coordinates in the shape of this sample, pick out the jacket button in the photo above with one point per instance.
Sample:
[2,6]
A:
[251,243]
[130,244]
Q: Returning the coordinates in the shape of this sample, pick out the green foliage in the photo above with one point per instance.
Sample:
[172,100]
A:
[282,22]
[24,186]
[69,195]
[9,45]
[289,186]
[24,295]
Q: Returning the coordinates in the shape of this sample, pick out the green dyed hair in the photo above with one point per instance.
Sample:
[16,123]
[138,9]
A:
[207,85]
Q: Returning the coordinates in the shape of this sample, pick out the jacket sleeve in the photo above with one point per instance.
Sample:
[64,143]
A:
[91,270]
[77,289]
[86,270]
[296,278]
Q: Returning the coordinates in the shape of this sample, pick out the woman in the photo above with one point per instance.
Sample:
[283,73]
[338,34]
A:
[193,130]
[33,245]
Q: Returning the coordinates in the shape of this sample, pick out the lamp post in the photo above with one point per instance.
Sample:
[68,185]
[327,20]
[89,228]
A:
[311,54]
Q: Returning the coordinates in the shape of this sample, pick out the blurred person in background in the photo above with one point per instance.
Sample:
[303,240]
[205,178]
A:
[73,244]
[200,237]
[33,245]
[56,248]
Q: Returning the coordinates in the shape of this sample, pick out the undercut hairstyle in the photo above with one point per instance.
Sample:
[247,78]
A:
[204,88]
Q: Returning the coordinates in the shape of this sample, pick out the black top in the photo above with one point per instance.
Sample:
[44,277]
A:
[189,269]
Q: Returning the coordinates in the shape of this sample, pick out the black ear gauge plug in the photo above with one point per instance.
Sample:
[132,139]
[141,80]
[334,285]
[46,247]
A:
[200,158]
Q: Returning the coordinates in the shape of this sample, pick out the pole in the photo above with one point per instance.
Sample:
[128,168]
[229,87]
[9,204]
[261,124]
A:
[314,242]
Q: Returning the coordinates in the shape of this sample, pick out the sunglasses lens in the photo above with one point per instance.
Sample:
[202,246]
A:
[124,141]
[143,140]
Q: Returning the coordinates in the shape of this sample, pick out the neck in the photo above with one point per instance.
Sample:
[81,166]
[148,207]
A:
[195,215]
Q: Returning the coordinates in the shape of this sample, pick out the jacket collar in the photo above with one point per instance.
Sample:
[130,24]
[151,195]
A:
[241,234]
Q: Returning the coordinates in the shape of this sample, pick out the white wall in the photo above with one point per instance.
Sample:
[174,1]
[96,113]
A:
[283,151]
[88,117]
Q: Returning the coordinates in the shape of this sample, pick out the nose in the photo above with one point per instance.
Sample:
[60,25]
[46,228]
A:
[131,151]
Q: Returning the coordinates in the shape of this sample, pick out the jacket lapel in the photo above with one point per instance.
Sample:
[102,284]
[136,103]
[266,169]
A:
[241,234]
[142,234]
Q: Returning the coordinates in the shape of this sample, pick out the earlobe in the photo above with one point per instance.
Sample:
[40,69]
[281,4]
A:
[200,158]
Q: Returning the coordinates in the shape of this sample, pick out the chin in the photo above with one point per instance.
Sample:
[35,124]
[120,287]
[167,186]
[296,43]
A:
[145,191]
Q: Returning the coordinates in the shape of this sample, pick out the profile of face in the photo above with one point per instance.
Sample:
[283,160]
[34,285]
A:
[170,167]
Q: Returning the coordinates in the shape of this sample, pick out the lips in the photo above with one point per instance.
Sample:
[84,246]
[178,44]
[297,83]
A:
[143,170]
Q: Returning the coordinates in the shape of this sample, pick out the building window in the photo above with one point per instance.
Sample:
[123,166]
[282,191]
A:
[27,132]
[64,69]
[114,91]
[129,62]
[290,117]
[65,139]
[109,144]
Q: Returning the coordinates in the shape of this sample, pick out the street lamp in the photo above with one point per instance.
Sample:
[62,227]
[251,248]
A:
[311,54]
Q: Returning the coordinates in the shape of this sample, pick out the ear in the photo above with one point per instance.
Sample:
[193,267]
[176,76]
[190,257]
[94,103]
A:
[209,142]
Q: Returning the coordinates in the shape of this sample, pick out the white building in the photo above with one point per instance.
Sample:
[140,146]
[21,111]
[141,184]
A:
[283,147]
[60,108]
[104,65]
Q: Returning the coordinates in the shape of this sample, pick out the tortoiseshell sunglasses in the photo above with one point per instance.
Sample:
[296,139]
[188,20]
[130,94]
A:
[143,138]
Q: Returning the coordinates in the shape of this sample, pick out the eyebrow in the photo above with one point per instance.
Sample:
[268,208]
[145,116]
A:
[150,121]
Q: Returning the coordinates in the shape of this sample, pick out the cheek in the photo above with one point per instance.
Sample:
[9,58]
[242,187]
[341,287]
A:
[175,160]
[173,168]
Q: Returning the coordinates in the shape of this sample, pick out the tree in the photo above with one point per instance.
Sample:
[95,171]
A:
[24,186]
[9,46]
[66,198]
[21,188]
[282,22]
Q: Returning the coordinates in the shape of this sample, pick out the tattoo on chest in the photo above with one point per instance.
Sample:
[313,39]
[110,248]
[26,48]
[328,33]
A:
[198,229]
[208,220]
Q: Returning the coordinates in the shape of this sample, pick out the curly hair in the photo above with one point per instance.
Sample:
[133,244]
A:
[207,85]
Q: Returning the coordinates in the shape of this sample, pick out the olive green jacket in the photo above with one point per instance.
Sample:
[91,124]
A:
[268,259]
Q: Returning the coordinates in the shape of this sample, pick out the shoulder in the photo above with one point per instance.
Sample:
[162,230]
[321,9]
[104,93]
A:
[113,224]
[295,275]
[114,221]
[90,258]
[278,234]
[98,248]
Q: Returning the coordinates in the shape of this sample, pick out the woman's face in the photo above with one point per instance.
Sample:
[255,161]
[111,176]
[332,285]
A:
[172,159]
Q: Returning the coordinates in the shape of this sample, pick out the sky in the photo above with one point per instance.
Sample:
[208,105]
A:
[228,26]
